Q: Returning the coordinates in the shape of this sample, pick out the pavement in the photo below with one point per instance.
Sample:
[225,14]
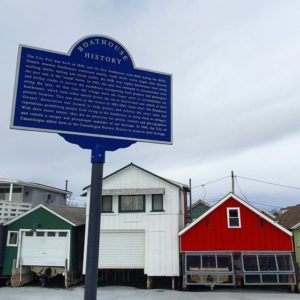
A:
[121,292]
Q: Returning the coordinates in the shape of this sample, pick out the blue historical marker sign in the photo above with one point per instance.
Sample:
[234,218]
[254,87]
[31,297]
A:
[93,91]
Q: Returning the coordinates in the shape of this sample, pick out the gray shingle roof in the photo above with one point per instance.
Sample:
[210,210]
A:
[290,218]
[76,215]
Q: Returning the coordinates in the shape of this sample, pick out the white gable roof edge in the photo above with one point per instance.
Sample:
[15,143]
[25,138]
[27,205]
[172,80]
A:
[243,203]
[296,226]
[172,182]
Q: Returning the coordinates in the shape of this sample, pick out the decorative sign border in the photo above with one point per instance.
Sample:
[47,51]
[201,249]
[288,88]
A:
[93,91]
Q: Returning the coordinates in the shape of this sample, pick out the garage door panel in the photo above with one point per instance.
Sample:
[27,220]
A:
[122,250]
[44,250]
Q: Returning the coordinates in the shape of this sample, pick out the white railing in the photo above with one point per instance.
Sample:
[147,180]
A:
[10,210]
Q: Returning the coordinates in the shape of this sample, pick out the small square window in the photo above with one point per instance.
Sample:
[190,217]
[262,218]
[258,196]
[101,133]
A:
[51,233]
[251,279]
[233,217]
[62,234]
[250,263]
[40,233]
[106,203]
[287,278]
[267,262]
[193,262]
[28,233]
[208,263]
[224,262]
[12,238]
[284,262]
[269,278]
[157,202]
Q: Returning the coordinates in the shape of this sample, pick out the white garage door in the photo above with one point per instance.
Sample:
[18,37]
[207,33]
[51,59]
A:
[44,248]
[122,250]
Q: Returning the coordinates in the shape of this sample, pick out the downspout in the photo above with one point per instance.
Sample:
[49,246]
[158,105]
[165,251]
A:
[186,217]
[66,188]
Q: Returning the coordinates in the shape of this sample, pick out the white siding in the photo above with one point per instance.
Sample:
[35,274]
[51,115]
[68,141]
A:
[161,228]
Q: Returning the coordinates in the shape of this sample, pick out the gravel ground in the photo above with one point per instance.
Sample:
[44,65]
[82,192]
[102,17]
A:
[119,292]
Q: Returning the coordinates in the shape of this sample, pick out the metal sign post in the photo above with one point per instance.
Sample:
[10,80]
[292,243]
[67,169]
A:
[91,277]
[93,97]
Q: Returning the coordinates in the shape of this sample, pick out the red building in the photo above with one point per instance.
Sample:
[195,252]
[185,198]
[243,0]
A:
[234,243]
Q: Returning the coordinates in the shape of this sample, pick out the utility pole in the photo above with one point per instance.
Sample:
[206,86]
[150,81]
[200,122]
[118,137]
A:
[66,189]
[190,212]
[232,182]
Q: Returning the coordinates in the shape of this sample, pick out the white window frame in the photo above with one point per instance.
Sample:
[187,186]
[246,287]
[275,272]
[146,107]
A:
[239,217]
[8,238]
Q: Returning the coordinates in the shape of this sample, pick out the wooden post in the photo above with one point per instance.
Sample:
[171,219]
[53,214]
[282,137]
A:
[184,285]
[149,282]
[66,274]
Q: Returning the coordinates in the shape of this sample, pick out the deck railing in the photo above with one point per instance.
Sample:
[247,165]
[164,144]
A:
[10,210]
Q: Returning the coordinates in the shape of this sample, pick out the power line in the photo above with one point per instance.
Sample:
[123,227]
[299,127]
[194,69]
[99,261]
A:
[240,190]
[201,185]
[271,183]
[265,204]
[252,202]
[204,192]
[235,177]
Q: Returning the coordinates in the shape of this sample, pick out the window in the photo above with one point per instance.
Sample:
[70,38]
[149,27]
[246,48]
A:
[133,203]
[250,263]
[233,217]
[268,269]
[40,233]
[284,263]
[107,204]
[286,278]
[203,268]
[49,198]
[252,279]
[267,263]
[269,278]
[157,202]
[16,194]
[12,238]
[193,262]
[51,233]
[62,234]
[224,262]
[208,262]
[29,233]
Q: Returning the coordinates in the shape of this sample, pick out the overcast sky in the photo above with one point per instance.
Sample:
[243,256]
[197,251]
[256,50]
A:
[236,75]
